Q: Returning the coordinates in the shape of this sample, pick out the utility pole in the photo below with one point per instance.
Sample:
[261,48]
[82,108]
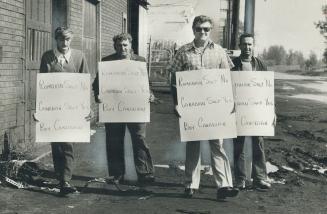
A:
[235,24]
[249,16]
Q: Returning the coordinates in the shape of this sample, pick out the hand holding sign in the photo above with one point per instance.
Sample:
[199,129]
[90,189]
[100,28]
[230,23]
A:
[255,105]
[124,91]
[205,103]
[62,103]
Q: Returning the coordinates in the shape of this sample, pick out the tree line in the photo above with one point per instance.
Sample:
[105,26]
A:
[277,55]
[322,26]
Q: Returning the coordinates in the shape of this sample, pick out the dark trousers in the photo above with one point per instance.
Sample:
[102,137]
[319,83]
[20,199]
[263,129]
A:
[63,159]
[115,133]
[259,170]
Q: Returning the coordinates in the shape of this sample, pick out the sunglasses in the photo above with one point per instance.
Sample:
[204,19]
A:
[205,29]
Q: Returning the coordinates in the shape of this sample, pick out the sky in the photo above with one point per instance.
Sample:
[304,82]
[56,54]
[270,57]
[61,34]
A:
[289,23]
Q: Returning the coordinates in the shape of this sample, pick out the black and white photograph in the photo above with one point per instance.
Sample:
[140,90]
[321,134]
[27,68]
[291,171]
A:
[163,106]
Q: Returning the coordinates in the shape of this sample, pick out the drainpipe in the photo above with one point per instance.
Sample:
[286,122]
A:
[249,16]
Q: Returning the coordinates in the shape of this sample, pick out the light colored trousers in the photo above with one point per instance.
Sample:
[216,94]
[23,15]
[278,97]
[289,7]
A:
[219,164]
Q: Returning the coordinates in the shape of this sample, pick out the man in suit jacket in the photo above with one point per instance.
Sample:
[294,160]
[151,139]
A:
[63,59]
[115,132]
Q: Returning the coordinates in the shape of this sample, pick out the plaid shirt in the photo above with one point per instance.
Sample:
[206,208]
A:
[188,57]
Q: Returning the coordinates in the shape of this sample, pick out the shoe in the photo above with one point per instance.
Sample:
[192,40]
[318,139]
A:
[189,192]
[225,192]
[240,184]
[118,179]
[66,188]
[261,184]
[147,178]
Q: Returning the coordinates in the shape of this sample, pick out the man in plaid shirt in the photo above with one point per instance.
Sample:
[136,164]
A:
[199,54]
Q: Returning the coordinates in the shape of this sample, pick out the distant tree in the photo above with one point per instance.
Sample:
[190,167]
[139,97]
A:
[276,54]
[290,59]
[312,61]
[322,26]
[295,58]
[263,55]
[300,60]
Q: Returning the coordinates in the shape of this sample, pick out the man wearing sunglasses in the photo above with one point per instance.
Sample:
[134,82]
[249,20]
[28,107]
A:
[201,53]
[115,132]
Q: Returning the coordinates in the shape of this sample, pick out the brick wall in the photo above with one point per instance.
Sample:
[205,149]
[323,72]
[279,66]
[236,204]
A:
[12,39]
[111,23]
[111,13]
[75,18]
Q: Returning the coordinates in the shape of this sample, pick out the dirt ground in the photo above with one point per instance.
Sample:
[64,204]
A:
[299,149]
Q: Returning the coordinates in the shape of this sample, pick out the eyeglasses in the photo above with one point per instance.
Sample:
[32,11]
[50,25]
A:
[199,29]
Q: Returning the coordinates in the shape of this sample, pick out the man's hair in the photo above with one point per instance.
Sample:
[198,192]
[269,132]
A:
[63,32]
[201,19]
[245,35]
[122,37]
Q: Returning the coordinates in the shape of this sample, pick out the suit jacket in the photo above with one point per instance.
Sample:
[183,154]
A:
[257,64]
[76,64]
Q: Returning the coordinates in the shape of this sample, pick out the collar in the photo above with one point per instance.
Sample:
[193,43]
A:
[133,57]
[210,44]
[239,59]
[59,55]
[238,62]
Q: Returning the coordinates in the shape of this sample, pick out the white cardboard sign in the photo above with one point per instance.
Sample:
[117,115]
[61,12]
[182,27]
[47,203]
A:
[124,91]
[62,103]
[255,103]
[205,103]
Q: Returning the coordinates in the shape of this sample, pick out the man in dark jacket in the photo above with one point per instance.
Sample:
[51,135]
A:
[63,59]
[247,62]
[115,131]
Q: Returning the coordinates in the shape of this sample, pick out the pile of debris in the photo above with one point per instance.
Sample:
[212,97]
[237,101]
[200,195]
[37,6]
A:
[14,170]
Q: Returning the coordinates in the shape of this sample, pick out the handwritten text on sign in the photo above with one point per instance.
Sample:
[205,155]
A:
[255,103]
[124,91]
[62,103]
[205,102]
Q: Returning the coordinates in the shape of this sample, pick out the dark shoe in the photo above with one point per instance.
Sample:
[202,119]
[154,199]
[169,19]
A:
[66,188]
[241,184]
[225,192]
[261,184]
[148,178]
[118,179]
[189,192]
